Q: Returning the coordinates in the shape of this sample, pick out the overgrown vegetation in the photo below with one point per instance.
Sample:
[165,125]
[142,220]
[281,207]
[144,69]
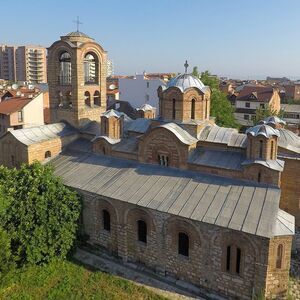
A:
[220,108]
[38,216]
[65,280]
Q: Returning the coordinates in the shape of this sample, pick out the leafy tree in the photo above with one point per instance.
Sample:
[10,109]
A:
[6,260]
[39,213]
[220,108]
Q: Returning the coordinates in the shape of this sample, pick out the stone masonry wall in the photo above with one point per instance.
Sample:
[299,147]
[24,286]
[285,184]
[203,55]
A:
[207,247]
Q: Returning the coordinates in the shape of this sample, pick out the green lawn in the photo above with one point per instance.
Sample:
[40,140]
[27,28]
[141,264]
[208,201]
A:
[67,280]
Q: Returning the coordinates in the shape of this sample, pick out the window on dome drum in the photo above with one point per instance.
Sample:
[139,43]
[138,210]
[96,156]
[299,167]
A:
[193,109]
[106,219]
[233,259]
[65,69]
[142,231]
[163,160]
[183,244]
[279,256]
[87,98]
[90,69]
[260,149]
[47,154]
[97,98]
[259,177]
[174,109]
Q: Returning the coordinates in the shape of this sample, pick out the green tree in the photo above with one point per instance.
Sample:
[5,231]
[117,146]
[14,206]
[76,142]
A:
[220,107]
[6,260]
[39,213]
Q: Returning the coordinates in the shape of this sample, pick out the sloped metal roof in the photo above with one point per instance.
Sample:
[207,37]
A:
[33,135]
[289,140]
[139,125]
[264,130]
[276,165]
[224,202]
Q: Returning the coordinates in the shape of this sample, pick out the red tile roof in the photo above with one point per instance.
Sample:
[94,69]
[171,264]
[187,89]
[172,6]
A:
[12,105]
[256,93]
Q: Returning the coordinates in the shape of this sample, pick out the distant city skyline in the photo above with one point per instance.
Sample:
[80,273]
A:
[237,39]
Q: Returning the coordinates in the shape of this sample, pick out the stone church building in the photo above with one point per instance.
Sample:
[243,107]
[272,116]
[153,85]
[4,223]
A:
[175,193]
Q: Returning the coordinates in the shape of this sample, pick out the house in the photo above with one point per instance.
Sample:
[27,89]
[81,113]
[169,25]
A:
[21,112]
[251,98]
[140,90]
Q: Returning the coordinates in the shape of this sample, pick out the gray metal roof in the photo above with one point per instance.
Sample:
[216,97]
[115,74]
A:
[289,140]
[276,165]
[217,158]
[140,125]
[222,135]
[77,34]
[129,145]
[264,130]
[180,133]
[186,81]
[228,203]
[33,135]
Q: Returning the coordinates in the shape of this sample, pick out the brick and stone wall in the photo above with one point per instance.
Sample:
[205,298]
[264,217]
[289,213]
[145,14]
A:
[205,265]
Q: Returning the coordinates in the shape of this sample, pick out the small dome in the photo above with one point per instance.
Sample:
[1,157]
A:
[145,107]
[264,130]
[185,81]
[273,120]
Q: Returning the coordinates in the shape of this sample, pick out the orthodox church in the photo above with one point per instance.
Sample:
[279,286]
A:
[176,193]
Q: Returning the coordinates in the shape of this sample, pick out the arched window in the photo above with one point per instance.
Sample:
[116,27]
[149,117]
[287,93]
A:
[90,69]
[163,160]
[65,68]
[87,98]
[233,259]
[279,256]
[206,108]
[97,98]
[103,150]
[260,149]
[272,150]
[259,177]
[105,126]
[183,244]
[106,220]
[193,109]
[142,231]
[174,109]
[47,154]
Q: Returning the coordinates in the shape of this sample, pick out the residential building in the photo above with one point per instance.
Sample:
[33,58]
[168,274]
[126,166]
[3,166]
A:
[8,63]
[185,198]
[110,68]
[251,98]
[21,112]
[23,63]
[140,90]
[291,91]
[292,116]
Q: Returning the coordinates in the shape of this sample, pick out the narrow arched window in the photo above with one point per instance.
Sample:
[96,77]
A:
[90,69]
[206,109]
[97,98]
[279,256]
[105,126]
[238,260]
[106,220]
[193,109]
[260,149]
[103,150]
[183,244]
[87,98]
[259,177]
[272,150]
[142,231]
[174,109]
[228,258]
[65,69]
[47,154]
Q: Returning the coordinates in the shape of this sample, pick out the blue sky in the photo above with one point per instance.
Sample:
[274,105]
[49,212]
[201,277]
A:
[236,38]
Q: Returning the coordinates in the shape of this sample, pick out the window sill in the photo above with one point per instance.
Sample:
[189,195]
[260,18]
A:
[183,257]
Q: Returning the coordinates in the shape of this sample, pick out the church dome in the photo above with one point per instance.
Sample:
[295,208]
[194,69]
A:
[186,81]
[77,34]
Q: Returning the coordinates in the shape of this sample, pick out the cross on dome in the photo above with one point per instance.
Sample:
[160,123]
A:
[186,65]
[77,23]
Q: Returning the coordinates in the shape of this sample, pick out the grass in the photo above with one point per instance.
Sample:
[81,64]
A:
[67,280]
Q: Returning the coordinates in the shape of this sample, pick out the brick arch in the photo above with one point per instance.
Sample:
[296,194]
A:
[108,240]
[138,251]
[93,48]
[161,139]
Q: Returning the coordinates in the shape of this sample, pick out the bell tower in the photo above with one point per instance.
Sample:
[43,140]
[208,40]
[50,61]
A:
[77,79]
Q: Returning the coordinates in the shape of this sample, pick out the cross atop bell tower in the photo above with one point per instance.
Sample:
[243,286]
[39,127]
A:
[77,22]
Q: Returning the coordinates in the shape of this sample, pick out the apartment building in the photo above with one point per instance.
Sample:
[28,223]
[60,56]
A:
[23,63]
[8,62]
